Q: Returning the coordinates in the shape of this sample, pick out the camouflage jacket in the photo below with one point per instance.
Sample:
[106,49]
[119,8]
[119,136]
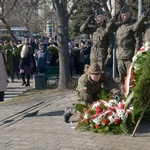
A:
[88,89]
[129,36]
[101,39]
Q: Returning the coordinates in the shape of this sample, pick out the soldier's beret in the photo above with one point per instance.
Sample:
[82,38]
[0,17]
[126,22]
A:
[100,12]
[94,69]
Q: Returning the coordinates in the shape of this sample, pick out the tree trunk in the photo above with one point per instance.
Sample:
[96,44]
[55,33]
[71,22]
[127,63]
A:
[9,30]
[63,39]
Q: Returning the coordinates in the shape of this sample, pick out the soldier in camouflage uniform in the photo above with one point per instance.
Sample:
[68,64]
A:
[101,50]
[128,34]
[90,84]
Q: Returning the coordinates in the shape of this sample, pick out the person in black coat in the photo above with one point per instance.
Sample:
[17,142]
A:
[26,62]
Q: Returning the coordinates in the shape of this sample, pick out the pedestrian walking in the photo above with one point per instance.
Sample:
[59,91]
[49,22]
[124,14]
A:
[26,62]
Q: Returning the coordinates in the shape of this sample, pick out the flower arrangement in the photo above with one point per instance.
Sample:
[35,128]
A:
[104,117]
[112,116]
[16,52]
[7,49]
[138,78]
[53,50]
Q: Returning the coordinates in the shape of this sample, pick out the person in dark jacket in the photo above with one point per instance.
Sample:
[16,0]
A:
[42,58]
[26,62]
[16,57]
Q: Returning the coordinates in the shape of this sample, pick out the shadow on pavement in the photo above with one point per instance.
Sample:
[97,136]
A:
[53,113]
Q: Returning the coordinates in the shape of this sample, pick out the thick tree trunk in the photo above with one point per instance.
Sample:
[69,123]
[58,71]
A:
[63,39]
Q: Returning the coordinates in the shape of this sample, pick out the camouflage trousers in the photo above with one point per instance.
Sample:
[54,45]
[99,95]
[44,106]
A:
[98,56]
[123,66]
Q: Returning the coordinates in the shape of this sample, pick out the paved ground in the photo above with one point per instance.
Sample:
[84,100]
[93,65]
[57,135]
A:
[38,125]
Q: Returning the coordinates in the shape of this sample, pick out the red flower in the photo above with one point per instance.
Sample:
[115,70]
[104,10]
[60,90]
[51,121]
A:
[129,112]
[116,120]
[105,121]
[80,116]
[98,109]
[85,120]
[96,126]
[109,113]
[88,111]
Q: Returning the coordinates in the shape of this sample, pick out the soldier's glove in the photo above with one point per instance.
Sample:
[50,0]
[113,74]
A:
[117,96]
[91,17]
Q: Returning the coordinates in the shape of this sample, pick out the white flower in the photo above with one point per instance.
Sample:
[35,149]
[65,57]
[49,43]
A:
[85,116]
[120,112]
[134,58]
[96,120]
[95,105]
[112,102]
[147,44]
[110,118]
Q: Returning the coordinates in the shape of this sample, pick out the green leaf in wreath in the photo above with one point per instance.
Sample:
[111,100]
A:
[128,100]
[123,127]
[79,107]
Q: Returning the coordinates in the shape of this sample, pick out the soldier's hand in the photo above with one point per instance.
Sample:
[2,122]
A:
[91,17]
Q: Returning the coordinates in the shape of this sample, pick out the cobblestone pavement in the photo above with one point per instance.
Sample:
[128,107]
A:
[38,125]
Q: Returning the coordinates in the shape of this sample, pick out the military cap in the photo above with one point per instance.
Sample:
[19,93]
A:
[94,69]
[100,12]
[125,9]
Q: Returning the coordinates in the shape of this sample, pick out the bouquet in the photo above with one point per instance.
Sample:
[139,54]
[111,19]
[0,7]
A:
[104,117]
[16,52]
[53,50]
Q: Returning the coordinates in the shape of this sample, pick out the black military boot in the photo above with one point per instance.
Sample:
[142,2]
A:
[67,114]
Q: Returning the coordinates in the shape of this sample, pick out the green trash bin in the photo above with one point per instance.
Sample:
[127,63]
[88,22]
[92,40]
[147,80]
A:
[39,81]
